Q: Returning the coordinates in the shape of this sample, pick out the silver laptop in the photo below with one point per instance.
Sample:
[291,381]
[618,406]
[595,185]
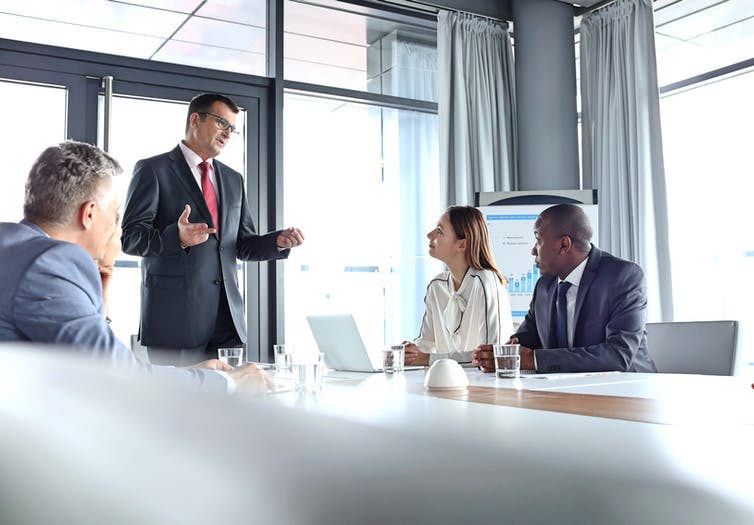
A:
[338,338]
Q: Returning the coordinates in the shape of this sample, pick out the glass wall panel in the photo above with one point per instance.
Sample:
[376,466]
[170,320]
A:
[329,43]
[706,135]
[362,182]
[29,128]
[710,181]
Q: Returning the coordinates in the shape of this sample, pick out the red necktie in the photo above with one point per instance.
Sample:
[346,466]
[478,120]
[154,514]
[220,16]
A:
[209,194]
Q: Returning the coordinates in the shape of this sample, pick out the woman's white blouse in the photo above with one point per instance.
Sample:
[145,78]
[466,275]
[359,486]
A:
[456,322]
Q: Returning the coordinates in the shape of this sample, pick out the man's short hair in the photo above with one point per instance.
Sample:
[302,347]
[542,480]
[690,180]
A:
[203,104]
[63,178]
[569,219]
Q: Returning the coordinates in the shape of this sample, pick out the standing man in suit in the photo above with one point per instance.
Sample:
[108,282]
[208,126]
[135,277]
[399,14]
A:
[51,290]
[186,215]
[598,323]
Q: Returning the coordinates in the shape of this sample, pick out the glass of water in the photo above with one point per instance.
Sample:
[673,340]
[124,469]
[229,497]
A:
[283,359]
[507,361]
[393,357]
[230,356]
[308,369]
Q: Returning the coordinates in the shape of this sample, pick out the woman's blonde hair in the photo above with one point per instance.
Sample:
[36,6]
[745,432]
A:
[468,223]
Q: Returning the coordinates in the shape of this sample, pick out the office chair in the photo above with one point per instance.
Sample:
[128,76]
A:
[697,347]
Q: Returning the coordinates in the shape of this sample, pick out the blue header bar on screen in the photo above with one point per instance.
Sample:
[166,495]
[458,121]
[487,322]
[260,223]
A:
[521,217]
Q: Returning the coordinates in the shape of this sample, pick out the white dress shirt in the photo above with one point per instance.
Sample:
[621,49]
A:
[193,160]
[575,279]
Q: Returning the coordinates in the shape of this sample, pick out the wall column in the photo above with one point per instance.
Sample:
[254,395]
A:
[545,61]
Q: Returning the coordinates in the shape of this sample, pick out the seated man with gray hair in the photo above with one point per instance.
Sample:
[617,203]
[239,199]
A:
[51,289]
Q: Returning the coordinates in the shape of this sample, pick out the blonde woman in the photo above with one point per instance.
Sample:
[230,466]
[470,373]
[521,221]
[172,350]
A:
[466,306]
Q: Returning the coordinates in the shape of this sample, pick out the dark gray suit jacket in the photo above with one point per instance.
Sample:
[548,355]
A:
[180,289]
[609,319]
[51,292]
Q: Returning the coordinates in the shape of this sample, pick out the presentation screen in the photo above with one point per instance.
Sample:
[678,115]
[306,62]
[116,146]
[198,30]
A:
[512,236]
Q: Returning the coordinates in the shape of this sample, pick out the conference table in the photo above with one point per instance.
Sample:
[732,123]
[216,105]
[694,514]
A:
[84,443]
[649,447]
[649,398]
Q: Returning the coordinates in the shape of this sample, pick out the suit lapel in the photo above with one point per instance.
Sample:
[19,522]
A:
[222,194]
[183,173]
[590,272]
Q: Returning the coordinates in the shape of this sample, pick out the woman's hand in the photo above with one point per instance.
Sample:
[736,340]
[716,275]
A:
[414,356]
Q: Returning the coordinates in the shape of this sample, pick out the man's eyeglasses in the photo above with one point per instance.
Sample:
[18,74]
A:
[221,122]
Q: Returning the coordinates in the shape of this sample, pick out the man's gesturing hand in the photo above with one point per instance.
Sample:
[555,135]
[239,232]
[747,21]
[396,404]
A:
[192,233]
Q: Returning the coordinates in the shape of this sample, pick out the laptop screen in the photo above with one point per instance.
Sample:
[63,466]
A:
[338,337]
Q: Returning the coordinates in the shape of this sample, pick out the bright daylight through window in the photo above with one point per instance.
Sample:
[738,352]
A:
[706,133]
[360,138]
[361,179]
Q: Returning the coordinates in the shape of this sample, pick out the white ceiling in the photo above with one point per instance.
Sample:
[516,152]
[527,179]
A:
[691,35]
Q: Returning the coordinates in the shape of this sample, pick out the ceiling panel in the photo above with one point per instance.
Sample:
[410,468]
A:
[669,10]
[182,6]
[663,42]
[716,34]
[222,34]
[736,35]
[79,37]
[709,19]
[98,14]
[250,12]
[325,23]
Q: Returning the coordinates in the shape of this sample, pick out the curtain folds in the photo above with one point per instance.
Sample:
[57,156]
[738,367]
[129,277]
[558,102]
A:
[413,150]
[622,142]
[476,107]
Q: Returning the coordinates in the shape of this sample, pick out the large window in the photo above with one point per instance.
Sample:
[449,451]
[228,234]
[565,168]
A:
[41,124]
[707,147]
[361,179]
[336,44]
[706,132]
[360,173]
[362,182]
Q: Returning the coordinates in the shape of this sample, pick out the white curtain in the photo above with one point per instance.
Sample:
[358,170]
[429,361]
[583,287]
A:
[476,107]
[416,75]
[411,147]
[622,143]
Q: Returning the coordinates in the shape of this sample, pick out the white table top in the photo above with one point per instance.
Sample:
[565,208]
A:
[85,445]
[693,391]
[709,452]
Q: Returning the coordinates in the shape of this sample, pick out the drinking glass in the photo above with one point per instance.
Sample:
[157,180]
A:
[393,359]
[507,361]
[308,369]
[230,356]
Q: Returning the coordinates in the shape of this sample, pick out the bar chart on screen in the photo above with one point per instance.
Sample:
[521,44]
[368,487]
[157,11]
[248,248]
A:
[511,229]
[523,282]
